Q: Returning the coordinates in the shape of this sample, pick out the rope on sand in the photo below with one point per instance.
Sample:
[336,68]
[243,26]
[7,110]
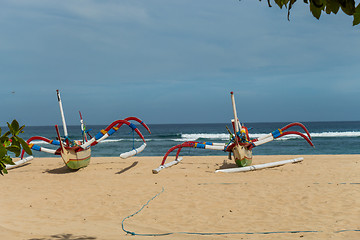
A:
[132,233]
[351,230]
[209,233]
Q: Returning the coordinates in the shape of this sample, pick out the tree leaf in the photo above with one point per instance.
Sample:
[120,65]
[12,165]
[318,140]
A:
[3,140]
[15,126]
[6,134]
[15,140]
[332,6]
[21,129]
[318,3]
[2,167]
[5,171]
[349,7]
[290,6]
[281,3]
[11,130]
[6,143]
[25,146]
[328,6]
[357,15]
[316,12]
[15,149]
[8,160]
[3,151]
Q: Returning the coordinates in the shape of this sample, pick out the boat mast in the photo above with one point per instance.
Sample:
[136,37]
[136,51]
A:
[237,123]
[82,128]
[62,114]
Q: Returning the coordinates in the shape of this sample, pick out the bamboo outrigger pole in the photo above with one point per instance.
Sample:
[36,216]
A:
[260,166]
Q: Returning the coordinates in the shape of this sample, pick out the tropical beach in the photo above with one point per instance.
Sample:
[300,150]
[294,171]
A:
[145,82]
[317,198]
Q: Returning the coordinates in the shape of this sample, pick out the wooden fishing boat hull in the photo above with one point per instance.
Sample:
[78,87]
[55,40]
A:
[76,159]
[242,156]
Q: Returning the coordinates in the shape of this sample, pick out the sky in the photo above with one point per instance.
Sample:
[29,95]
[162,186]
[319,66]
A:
[168,61]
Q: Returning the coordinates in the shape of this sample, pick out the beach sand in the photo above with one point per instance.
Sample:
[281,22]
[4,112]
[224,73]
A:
[44,200]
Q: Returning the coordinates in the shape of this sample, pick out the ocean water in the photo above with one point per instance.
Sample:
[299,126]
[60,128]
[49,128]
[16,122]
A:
[328,138]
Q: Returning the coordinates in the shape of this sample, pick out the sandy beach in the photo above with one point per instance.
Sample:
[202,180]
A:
[318,198]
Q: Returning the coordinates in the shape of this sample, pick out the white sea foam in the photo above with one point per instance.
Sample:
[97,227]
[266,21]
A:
[112,140]
[104,141]
[336,134]
[225,136]
[123,140]
[195,136]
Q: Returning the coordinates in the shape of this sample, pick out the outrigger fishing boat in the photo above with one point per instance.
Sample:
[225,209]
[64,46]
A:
[77,154]
[240,144]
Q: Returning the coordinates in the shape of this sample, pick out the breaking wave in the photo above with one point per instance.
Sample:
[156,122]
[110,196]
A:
[225,136]
[222,137]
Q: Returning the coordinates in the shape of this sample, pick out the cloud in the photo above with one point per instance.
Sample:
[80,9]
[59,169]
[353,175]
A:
[107,11]
[81,9]
[153,54]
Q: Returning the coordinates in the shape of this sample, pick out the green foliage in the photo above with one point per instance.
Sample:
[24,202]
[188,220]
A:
[327,6]
[357,16]
[11,142]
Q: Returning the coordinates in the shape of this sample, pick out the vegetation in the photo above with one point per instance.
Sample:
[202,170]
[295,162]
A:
[11,143]
[327,6]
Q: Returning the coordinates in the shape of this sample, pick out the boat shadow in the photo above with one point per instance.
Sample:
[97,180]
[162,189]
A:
[66,170]
[128,168]
[227,164]
[61,170]
[65,237]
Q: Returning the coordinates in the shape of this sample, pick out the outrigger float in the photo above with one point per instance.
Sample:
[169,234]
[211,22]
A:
[240,145]
[77,154]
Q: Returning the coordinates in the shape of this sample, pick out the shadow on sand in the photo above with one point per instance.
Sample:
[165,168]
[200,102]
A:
[61,170]
[65,237]
[226,164]
[128,168]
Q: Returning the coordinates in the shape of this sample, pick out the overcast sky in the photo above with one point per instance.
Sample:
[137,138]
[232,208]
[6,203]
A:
[169,61]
